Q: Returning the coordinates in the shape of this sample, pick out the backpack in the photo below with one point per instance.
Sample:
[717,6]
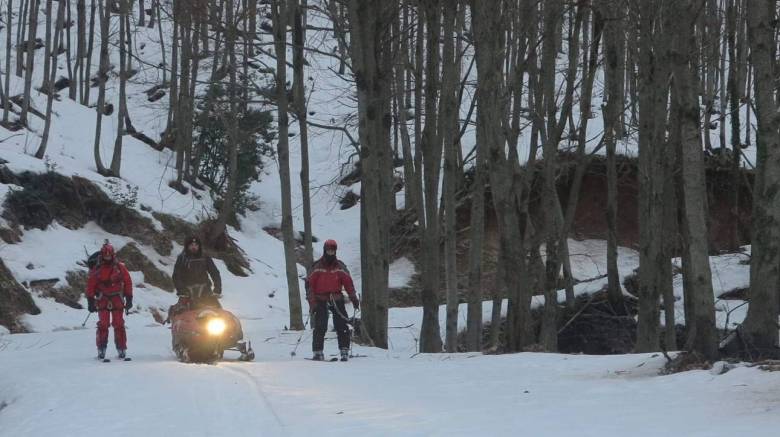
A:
[92,261]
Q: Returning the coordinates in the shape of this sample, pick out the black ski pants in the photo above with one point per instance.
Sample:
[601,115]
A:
[320,316]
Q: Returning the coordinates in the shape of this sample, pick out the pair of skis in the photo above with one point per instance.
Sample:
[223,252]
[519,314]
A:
[108,360]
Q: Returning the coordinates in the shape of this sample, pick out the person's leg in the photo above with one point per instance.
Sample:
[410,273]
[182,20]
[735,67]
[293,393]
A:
[320,324]
[340,323]
[101,336]
[120,334]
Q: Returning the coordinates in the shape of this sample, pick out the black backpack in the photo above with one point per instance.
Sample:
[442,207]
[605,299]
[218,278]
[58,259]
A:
[93,259]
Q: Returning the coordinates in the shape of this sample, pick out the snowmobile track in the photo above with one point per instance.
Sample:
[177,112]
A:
[244,374]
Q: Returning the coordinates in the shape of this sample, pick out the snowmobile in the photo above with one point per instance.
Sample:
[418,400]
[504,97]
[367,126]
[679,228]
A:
[203,331]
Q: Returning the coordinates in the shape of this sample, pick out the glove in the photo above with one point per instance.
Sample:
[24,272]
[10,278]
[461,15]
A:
[129,302]
[91,305]
[355,301]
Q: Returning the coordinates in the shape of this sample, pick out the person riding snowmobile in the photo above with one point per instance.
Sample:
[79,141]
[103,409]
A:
[191,278]
[108,283]
[323,291]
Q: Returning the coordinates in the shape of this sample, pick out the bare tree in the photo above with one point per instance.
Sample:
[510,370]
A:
[104,15]
[28,69]
[47,47]
[614,54]
[279,17]
[701,327]
[653,96]
[21,29]
[61,6]
[232,124]
[90,43]
[370,48]
[7,86]
[299,98]
[760,331]
[116,159]
[431,146]
[449,127]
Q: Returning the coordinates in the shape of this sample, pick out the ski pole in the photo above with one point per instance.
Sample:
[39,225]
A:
[85,320]
[298,343]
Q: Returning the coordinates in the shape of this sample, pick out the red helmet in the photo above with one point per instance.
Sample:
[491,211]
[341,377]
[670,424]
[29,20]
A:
[330,244]
[107,252]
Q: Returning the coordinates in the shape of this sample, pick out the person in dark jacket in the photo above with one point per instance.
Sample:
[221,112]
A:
[323,291]
[195,277]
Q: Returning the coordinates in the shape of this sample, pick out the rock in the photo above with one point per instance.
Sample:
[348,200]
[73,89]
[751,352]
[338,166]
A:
[15,301]
[138,262]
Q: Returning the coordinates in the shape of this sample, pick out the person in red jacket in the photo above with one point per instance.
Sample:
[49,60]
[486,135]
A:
[108,283]
[323,291]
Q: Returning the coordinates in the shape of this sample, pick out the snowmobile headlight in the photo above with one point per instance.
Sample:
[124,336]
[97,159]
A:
[215,326]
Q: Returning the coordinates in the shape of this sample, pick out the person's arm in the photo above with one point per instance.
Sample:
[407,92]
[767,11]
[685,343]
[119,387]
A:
[346,279]
[346,282]
[91,284]
[215,277]
[311,285]
[176,277]
[127,281]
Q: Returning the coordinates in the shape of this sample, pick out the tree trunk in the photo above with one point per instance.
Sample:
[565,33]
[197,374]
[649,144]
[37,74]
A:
[760,330]
[299,39]
[68,54]
[116,159]
[47,47]
[370,49]
[430,337]
[279,17]
[21,28]
[30,60]
[477,234]
[614,62]
[489,43]
[449,128]
[162,43]
[85,80]
[702,336]
[183,113]
[232,121]
[81,49]
[52,76]
[7,85]
[104,16]
[653,92]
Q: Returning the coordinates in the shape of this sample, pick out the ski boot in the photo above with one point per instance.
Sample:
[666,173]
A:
[121,354]
[101,353]
[318,356]
[344,354]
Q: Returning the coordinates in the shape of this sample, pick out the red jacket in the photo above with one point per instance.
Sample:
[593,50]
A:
[326,279]
[108,280]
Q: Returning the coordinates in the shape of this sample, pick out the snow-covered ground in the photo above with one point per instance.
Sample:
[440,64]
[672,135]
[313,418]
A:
[50,384]
[52,387]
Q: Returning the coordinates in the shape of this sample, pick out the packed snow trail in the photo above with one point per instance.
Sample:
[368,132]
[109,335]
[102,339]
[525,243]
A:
[53,385]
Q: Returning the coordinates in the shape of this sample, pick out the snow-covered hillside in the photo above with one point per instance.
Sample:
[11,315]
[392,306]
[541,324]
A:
[50,382]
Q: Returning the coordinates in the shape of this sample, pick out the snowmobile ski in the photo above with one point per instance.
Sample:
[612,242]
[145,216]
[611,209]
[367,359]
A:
[329,360]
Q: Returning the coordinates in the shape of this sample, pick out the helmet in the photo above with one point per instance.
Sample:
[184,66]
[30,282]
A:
[107,252]
[330,244]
